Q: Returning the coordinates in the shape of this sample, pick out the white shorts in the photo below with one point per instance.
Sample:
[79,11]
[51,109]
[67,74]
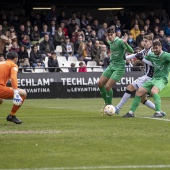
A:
[140,81]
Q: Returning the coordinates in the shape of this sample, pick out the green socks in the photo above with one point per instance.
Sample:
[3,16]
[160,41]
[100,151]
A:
[106,95]
[157,100]
[135,103]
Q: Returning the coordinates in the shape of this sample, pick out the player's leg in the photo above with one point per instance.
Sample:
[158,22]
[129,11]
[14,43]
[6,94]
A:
[101,84]
[145,101]
[109,91]
[158,86]
[23,95]
[139,93]
[8,93]
[129,89]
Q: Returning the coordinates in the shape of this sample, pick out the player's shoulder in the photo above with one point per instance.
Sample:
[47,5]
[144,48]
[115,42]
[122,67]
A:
[12,65]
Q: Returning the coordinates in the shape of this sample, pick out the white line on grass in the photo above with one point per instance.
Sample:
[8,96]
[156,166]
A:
[29,132]
[167,120]
[99,167]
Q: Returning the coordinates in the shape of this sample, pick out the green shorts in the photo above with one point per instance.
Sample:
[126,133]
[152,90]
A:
[116,75]
[159,83]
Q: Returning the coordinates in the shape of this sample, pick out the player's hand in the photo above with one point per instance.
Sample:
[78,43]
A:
[125,38]
[139,56]
[17,100]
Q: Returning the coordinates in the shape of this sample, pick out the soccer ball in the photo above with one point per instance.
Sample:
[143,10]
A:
[109,110]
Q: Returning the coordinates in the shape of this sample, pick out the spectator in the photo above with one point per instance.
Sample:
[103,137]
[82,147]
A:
[118,25]
[35,35]
[64,29]
[139,38]
[46,31]
[46,46]
[96,51]
[93,36]
[23,57]
[1,30]
[166,44]
[53,62]
[161,35]
[61,18]
[38,22]
[2,58]
[67,48]
[101,32]
[87,32]
[74,17]
[83,22]
[53,27]
[21,33]
[164,18]
[82,51]
[82,67]
[167,28]
[52,14]
[131,41]
[36,58]
[28,27]
[58,37]
[156,31]
[15,47]
[135,31]
[106,61]
[103,53]
[149,25]
[76,45]
[26,42]
[16,23]
[76,34]
[119,33]
[96,26]
[72,68]
[71,27]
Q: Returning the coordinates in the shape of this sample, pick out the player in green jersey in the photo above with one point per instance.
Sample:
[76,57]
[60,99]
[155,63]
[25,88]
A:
[160,60]
[116,68]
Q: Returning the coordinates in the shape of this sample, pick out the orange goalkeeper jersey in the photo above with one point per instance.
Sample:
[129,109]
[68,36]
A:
[8,70]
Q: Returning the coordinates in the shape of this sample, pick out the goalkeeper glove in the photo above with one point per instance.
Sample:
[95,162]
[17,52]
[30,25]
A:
[139,56]
[17,100]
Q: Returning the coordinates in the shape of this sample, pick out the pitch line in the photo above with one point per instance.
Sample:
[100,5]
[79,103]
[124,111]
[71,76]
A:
[166,120]
[99,167]
[29,132]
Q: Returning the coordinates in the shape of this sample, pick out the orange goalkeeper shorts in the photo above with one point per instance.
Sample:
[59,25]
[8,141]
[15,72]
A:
[6,92]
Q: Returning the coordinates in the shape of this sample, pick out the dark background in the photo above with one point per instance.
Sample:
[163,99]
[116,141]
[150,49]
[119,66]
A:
[90,4]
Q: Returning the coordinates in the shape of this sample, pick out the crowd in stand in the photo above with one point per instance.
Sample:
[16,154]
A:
[35,37]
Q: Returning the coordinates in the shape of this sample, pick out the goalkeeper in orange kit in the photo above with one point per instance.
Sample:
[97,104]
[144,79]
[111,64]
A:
[8,71]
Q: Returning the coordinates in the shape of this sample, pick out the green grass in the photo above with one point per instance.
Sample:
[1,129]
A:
[72,133]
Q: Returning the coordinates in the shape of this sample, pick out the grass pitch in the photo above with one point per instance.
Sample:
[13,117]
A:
[70,134]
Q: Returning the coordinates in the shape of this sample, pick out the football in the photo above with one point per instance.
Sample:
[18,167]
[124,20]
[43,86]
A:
[109,110]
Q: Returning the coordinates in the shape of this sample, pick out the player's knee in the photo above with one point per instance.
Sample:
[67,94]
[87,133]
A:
[130,88]
[108,87]
[139,93]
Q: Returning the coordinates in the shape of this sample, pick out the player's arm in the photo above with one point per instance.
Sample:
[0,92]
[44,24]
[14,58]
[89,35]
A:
[168,57]
[126,45]
[145,59]
[17,100]
[14,81]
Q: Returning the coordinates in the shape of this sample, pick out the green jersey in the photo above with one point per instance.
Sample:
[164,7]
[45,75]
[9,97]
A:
[161,64]
[117,48]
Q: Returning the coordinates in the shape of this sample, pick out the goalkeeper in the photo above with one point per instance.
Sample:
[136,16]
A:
[8,71]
